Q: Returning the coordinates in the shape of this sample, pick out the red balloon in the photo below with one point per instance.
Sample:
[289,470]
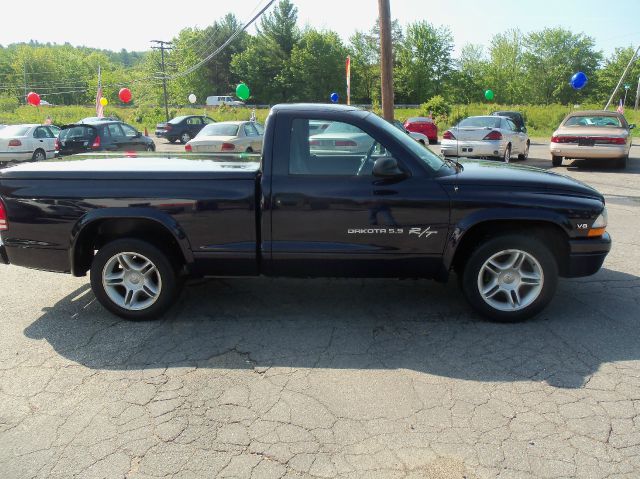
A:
[125,95]
[33,98]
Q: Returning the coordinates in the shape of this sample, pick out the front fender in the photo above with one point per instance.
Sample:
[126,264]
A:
[150,214]
[466,224]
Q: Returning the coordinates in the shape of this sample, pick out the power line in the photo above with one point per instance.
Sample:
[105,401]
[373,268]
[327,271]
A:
[221,47]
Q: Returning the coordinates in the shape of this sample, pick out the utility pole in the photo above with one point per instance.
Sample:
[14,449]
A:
[624,74]
[637,95]
[24,66]
[386,59]
[162,47]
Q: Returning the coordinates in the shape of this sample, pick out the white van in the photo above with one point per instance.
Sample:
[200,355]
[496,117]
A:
[223,100]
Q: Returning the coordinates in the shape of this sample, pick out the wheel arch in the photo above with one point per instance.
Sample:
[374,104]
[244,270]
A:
[551,228]
[101,226]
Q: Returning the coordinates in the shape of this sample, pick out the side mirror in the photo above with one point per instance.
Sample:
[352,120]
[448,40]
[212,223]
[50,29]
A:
[387,167]
[632,126]
[523,129]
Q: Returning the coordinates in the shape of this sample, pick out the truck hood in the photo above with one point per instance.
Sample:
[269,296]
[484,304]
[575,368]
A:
[502,175]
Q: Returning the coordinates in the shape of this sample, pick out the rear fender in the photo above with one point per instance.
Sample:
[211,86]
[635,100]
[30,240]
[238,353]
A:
[149,214]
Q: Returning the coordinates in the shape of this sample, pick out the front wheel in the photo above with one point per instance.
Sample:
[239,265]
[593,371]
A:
[510,278]
[524,156]
[133,279]
[184,138]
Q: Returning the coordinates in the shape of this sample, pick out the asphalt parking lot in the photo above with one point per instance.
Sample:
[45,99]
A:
[280,378]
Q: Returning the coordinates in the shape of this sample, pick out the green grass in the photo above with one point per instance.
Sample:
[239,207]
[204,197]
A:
[541,120]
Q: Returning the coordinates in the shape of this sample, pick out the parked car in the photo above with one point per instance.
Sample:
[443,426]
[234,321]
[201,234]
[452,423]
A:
[101,136]
[419,137]
[514,116]
[341,137]
[182,128]
[142,227]
[26,143]
[424,125]
[592,134]
[217,100]
[228,136]
[486,137]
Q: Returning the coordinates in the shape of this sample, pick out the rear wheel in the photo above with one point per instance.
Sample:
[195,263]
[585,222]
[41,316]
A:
[621,163]
[525,155]
[185,137]
[172,140]
[510,278]
[133,279]
[249,150]
[556,160]
[507,154]
[150,148]
[39,155]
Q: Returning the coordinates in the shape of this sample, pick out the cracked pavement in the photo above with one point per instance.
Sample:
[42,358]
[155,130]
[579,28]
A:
[279,378]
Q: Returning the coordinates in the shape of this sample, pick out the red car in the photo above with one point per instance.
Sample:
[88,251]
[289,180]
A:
[424,125]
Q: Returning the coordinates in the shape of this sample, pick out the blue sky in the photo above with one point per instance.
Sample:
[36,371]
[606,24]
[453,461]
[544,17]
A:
[130,25]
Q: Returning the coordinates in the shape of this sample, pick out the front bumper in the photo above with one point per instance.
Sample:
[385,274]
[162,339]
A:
[589,152]
[472,149]
[587,255]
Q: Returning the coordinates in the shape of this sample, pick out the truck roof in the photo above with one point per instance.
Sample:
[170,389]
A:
[314,107]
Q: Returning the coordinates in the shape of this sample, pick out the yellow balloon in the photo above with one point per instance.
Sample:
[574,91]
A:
[104,101]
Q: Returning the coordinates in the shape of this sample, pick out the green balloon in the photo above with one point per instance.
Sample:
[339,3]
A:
[489,95]
[242,91]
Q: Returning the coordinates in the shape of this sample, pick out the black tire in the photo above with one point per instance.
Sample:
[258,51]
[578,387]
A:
[172,140]
[507,154]
[39,155]
[169,288]
[150,148]
[185,137]
[475,265]
[433,142]
[249,150]
[621,163]
[556,160]
[524,156]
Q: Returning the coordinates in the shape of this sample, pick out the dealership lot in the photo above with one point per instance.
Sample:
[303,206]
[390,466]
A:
[329,378]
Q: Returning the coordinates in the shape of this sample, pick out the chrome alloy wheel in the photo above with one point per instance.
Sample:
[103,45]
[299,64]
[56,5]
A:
[131,281]
[510,280]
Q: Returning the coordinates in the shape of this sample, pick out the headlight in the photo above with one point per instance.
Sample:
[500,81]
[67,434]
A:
[599,225]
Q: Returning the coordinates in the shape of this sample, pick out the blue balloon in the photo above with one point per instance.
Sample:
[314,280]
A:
[334,97]
[578,81]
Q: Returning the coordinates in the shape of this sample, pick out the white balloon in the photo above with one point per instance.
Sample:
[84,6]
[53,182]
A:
[192,98]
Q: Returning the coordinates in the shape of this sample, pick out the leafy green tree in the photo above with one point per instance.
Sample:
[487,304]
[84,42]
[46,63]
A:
[552,56]
[424,62]
[318,66]
[607,77]
[467,82]
[505,71]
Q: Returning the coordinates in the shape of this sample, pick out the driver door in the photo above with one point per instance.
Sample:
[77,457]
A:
[331,217]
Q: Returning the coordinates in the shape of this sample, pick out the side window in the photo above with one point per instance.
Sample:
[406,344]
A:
[129,131]
[250,130]
[259,127]
[53,131]
[194,120]
[115,130]
[342,149]
[41,132]
[207,120]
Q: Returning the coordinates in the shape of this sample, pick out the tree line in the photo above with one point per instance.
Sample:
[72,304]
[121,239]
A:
[284,62]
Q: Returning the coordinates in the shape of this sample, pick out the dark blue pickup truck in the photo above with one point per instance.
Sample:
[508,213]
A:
[359,199]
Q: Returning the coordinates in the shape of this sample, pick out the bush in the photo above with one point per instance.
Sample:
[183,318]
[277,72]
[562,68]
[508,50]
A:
[437,107]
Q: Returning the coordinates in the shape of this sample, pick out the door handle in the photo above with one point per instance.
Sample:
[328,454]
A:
[385,192]
[288,200]
[41,141]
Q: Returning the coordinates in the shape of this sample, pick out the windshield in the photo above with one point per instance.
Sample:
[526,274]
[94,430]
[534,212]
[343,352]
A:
[76,132]
[480,122]
[15,130]
[219,129]
[428,157]
[594,120]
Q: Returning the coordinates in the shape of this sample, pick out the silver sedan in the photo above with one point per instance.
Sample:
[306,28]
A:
[486,137]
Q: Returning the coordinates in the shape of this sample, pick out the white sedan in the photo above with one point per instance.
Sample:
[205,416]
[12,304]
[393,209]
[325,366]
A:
[27,143]
[486,137]
[228,136]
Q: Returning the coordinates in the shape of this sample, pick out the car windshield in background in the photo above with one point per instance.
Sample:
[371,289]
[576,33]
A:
[76,132]
[16,130]
[217,129]
[177,120]
[596,120]
[432,160]
[480,122]
[419,119]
